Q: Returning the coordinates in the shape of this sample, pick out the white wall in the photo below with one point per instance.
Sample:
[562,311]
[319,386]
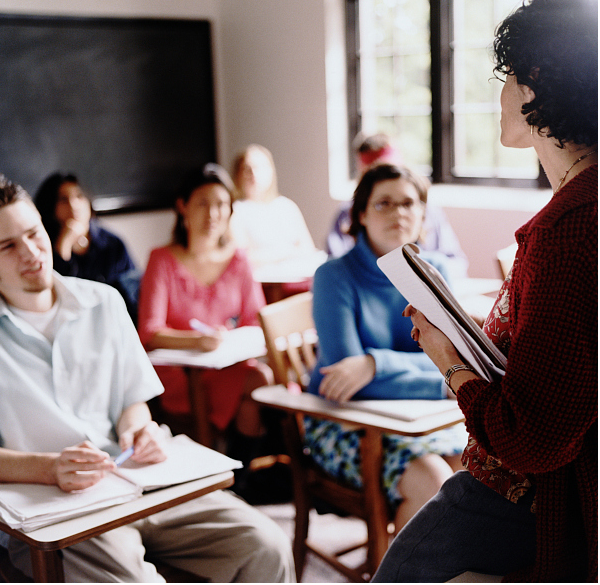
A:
[280,81]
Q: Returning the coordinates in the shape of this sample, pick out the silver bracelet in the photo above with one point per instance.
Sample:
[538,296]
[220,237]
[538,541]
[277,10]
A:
[451,371]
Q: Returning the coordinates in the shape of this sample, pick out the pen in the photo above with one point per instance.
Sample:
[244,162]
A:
[201,327]
[120,459]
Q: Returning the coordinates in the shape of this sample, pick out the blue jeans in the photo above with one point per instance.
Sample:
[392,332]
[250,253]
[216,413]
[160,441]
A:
[465,527]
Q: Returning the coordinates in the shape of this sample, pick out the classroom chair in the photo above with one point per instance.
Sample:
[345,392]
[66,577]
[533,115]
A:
[291,340]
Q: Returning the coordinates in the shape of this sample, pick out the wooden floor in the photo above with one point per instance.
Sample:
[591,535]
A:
[329,532]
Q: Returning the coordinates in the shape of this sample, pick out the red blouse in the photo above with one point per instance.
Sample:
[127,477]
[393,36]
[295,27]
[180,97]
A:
[541,419]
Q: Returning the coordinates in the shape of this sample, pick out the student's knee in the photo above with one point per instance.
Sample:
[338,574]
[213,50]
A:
[424,476]
[272,561]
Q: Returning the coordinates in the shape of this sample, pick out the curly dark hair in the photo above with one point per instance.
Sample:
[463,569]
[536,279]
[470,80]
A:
[375,175]
[552,47]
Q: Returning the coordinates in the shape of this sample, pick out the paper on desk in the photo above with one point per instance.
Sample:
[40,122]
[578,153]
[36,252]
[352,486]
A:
[186,461]
[30,506]
[429,293]
[27,506]
[408,410]
[238,345]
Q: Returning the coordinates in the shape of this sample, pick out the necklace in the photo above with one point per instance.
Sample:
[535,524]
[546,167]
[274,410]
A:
[569,169]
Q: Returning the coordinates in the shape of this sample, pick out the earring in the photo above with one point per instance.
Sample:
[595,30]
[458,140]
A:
[531,129]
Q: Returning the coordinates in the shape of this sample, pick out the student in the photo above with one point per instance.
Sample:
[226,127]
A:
[526,506]
[75,381]
[81,246]
[436,234]
[269,226]
[203,276]
[365,348]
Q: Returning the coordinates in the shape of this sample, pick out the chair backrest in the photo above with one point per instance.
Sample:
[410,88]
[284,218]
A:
[506,257]
[291,338]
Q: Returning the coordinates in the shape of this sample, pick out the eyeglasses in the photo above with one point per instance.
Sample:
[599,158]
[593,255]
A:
[387,206]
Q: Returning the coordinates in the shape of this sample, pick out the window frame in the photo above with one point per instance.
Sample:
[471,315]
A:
[442,135]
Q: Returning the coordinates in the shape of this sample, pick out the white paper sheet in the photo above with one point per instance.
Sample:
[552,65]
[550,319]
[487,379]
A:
[408,410]
[476,351]
[238,345]
[186,460]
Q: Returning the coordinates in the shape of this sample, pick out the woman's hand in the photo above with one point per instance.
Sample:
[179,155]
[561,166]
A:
[146,441]
[433,342]
[345,378]
[209,341]
[80,467]
[69,236]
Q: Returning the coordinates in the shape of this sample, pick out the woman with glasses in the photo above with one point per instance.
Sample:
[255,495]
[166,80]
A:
[365,348]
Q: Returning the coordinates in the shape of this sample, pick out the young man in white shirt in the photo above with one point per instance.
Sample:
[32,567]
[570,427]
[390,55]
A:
[75,381]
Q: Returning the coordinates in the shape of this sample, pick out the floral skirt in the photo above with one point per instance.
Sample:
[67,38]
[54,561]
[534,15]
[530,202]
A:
[336,451]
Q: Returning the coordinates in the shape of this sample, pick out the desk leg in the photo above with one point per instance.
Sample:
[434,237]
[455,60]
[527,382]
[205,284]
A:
[200,408]
[47,566]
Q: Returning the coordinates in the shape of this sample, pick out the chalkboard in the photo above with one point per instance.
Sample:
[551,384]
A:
[125,104]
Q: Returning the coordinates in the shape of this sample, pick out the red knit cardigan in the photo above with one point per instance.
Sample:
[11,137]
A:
[542,418]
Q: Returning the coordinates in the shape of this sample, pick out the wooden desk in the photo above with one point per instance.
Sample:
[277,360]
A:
[287,277]
[45,542]
[308,404]
[238,345]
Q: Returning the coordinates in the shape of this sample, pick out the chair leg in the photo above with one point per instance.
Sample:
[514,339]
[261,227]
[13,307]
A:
[200,408]
[377,513]
[300,534]
[301,500]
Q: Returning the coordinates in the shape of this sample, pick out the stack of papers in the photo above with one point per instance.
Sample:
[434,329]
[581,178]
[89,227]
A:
[426,290]
[30,506]
[238,345]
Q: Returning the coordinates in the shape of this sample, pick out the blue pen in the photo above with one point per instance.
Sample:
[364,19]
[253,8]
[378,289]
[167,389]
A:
[120,459]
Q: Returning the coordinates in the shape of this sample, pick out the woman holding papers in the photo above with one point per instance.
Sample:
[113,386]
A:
[365,349]
[193,290]
[529,496]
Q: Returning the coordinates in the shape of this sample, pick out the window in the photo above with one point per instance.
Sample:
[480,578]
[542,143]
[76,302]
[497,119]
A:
[421,71]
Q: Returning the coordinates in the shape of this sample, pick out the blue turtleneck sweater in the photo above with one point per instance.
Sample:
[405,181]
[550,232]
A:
[357,310]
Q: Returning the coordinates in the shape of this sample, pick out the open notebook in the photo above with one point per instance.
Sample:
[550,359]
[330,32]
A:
[31,506]
[425,288]
[238,345]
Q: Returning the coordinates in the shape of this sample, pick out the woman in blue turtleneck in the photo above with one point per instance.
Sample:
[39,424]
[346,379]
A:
[365,348]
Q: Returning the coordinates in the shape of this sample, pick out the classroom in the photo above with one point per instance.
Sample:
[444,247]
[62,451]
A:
[292,76]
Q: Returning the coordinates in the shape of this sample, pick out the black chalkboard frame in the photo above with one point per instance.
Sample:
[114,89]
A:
[127,104]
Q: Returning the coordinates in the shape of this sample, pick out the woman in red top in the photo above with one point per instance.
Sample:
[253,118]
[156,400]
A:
[526,506]
[202,276]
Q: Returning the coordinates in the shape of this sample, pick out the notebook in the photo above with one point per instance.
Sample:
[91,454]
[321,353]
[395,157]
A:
[31,506]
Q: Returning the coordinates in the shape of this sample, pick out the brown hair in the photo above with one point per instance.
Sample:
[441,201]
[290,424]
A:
[377,174]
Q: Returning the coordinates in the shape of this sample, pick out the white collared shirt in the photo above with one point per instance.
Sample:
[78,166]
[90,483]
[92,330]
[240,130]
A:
[54,395]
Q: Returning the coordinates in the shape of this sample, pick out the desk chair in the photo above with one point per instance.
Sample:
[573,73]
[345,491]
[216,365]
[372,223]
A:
[291,340]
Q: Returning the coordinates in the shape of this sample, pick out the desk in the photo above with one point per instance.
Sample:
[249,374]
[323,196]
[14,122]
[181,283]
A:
[308,404]
[238,345]
[284,278]
[45,542]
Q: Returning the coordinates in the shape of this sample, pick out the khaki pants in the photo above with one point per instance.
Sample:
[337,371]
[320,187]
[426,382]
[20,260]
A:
[217,537]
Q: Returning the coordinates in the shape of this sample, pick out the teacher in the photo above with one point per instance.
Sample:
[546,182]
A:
[526,506]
